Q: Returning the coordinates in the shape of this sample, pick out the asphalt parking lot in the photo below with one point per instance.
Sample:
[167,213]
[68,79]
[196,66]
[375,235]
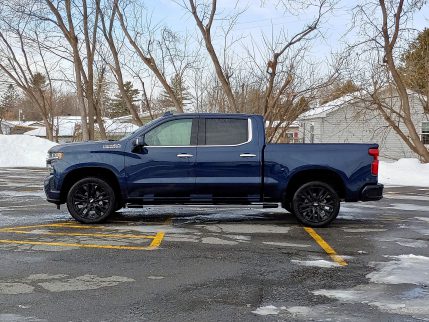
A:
[211,264]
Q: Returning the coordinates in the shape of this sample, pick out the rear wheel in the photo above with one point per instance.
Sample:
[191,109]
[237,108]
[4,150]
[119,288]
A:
[91,200]
[315,204]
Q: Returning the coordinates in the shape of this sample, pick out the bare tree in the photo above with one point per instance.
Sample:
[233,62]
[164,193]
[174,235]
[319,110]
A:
[19,63]
[114,43]
[204,18]
[74,28]
[383,48]
[142,43]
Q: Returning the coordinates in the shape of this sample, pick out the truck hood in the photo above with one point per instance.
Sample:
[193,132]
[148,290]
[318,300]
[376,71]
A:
[88,146]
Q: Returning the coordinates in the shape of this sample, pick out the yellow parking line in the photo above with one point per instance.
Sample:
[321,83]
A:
[82,234]
[63,225]
[61,244]
[157,240]
[328,249]
[28,226]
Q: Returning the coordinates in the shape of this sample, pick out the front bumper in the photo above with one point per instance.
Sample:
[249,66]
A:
[52,195]
[372,192]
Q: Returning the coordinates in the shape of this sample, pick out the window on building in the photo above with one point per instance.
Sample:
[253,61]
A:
[425,132]
[311,133]
[226,131]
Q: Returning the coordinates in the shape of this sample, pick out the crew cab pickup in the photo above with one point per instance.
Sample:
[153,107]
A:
[210,159]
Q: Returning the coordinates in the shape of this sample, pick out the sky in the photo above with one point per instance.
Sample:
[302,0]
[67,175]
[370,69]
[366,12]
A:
[264,17]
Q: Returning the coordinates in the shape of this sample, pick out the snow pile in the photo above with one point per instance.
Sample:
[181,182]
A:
[23,151]
[404,172]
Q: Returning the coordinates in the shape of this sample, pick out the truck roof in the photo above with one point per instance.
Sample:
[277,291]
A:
[169,114]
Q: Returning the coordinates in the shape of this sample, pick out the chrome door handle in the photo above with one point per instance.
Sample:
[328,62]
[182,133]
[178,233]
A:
[185,155]
[247,155]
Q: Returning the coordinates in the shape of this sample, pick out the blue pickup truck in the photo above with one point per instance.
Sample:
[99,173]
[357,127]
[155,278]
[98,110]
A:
[210,159]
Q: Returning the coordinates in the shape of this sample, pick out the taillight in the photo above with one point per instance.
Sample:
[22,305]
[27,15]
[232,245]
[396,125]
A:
[374,165]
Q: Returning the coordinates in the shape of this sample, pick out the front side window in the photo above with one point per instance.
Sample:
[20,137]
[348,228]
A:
[223,131]
[171,133]
[425,132]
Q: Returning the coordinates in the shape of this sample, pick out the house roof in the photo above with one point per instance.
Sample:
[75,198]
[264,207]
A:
[323,110]
[66,127]
[283,124]
[7,123]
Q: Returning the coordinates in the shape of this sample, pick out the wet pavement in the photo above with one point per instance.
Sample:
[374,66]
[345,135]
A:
[211,264]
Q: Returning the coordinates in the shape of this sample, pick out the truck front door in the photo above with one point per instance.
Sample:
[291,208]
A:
[228,165]
[164,167]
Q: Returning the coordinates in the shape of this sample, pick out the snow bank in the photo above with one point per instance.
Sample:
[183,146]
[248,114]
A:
[23,151]
[404,172]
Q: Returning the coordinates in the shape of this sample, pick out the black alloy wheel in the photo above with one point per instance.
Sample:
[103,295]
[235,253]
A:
[91,200]
[316,204]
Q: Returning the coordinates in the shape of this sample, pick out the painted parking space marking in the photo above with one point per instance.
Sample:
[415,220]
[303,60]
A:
[326,247]
[152,246]
[68,229]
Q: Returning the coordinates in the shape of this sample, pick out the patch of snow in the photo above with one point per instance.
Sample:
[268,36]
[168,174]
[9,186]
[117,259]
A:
[12,193]
[23,151]
[404,172]
[316,263]
[406,197]
[362,230]
[322,110]
[410,302]
[405,269]
[408,207]
[268,310]
[217,241]
[412,243]
[422,219]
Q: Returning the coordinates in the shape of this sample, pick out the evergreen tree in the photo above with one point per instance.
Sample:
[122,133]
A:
[8,102]
[180,90]
[118,106]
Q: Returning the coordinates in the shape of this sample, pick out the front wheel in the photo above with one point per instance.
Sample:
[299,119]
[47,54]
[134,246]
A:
[91,200]
[316,204]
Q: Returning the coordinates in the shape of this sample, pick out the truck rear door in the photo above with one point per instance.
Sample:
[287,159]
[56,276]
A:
[228,164]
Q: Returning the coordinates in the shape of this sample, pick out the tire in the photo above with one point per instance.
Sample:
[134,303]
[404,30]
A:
[316,204]
[91,200]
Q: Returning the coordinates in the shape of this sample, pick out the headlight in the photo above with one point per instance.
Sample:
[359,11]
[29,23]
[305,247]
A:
[55,156]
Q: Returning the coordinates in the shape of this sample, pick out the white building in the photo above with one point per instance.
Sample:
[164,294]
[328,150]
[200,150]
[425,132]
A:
[346,120]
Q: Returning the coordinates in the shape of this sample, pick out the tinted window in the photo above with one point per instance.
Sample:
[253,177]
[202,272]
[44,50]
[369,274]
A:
[226,131]
[172,133]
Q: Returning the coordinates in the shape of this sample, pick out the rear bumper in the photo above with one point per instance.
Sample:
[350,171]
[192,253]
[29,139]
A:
[372,192]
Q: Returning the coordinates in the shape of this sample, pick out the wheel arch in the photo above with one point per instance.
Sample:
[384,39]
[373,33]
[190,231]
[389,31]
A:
[102,173]
[325,175]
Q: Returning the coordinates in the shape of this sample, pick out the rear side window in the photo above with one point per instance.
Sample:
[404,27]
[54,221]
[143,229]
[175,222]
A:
[226,131]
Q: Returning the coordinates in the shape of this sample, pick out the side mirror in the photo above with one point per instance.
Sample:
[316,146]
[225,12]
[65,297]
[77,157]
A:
[138,141]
